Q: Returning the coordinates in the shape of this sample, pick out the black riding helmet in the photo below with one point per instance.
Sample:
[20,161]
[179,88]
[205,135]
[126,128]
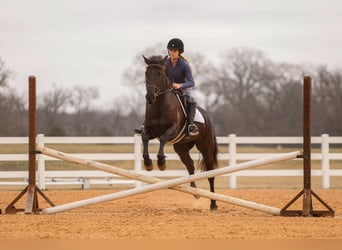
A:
[176,43]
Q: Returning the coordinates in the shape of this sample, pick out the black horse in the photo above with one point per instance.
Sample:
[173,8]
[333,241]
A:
[165,119]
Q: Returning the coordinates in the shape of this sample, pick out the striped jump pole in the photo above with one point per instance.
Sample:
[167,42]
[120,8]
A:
[158,184]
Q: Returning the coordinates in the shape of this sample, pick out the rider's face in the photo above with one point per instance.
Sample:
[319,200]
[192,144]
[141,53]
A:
[174,53]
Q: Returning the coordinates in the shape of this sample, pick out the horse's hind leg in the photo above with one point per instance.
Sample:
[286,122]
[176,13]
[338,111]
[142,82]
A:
[213,205]
[208,162]
[183,151]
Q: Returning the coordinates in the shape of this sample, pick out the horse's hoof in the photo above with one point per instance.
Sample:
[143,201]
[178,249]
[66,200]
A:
[162,167]
[213,207]
[148,164]
[161,163]
[149,167]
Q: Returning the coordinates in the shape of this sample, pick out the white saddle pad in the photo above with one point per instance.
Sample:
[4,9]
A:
[199,117]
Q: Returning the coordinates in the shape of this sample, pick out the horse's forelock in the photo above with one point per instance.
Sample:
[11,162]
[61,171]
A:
[157,60]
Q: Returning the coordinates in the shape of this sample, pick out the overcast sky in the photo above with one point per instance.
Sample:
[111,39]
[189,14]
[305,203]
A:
[91,43]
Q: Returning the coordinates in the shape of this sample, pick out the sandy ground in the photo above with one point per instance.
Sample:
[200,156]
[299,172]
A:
[168,214]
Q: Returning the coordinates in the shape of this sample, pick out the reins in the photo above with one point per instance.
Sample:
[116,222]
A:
[160,92]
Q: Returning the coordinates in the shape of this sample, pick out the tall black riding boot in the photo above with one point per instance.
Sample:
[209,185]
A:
[192,127]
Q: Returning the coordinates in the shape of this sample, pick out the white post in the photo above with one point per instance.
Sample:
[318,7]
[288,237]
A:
[41,163]
[137,158]
[325,161]
[232,159]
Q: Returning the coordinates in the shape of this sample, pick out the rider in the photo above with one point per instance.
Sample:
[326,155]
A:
[180,75]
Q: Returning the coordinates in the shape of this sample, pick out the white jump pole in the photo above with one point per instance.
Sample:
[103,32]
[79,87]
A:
[163,184]
[150,179]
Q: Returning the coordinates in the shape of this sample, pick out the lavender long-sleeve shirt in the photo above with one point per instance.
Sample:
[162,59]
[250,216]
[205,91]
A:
[181,73]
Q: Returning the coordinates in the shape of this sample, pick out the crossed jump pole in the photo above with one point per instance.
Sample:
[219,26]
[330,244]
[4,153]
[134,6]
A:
[158,184]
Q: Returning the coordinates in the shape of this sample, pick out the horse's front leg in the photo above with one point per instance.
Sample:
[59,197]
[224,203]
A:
[170,133]
[161,156]
[147,160]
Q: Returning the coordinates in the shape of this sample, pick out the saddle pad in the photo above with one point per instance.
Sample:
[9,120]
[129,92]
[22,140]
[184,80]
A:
[199,117]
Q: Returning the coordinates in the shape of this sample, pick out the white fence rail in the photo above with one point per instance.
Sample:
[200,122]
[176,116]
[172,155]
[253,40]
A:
[89,177]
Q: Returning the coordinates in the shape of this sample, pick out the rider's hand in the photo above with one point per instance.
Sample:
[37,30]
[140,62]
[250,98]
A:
[176,85]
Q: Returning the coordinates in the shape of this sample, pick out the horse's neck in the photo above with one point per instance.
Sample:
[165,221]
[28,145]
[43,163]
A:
[168,101]
[167,104]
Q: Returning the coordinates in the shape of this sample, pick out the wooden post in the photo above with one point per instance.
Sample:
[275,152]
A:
[307,192]
[307,110]
[32,201]
[32,205]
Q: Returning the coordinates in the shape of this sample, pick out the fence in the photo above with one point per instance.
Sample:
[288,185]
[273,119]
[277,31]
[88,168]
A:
[90,177]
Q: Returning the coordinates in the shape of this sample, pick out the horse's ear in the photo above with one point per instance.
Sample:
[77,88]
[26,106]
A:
[164,60]
[147,61]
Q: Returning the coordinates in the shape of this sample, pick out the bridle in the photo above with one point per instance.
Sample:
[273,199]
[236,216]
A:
[159,90]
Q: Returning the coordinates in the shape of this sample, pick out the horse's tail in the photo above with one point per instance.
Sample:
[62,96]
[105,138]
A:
[211,162]
[215,151]
[215,164]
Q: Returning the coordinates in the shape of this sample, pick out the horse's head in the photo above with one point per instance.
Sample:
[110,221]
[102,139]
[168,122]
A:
[155,77]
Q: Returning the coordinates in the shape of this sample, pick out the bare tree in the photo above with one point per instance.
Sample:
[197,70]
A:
[81,97]
[328,101]
[283,100]
[4,74]
[52,109]
[12,106]
[203,71]
[254,95]
[84,120]
[245,93]
[240,88]
[13,112]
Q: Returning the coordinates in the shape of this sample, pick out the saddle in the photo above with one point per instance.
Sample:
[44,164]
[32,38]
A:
[184,104]
[198,117]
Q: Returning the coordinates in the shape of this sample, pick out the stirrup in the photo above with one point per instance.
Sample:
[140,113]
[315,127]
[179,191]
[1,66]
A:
[139,130]
[192,129]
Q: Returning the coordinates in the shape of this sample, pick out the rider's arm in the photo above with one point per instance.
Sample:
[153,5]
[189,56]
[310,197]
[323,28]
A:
[189,83]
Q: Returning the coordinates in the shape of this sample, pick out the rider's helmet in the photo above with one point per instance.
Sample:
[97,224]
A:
[176,43]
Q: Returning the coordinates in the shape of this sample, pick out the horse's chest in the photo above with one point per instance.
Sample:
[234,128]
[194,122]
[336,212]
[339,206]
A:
[158,119]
